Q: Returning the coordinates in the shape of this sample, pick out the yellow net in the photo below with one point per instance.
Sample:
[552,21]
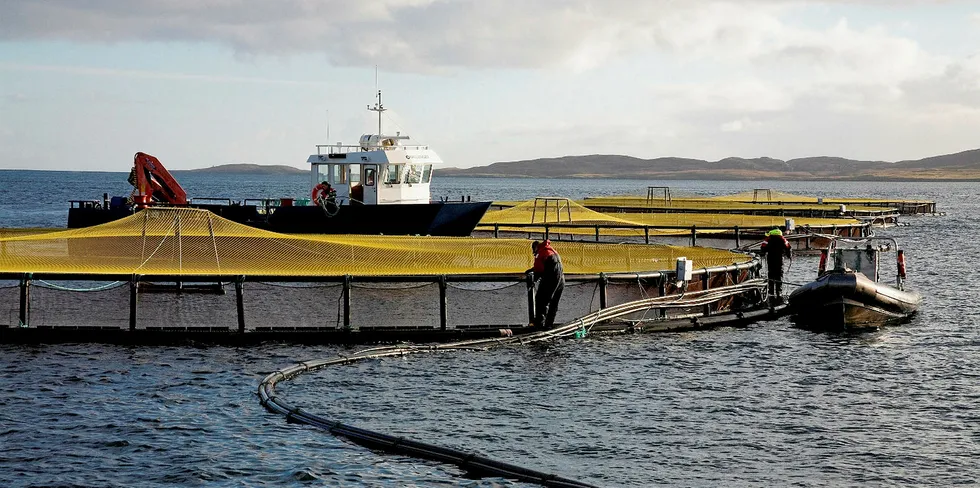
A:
[549,211]
[768,195]
[723,204]
[568,212]
[181,241]
[765,195]
[24,231]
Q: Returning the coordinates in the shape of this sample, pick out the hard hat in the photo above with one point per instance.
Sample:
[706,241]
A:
[774,232]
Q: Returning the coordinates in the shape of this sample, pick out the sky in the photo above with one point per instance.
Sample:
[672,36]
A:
[85,84]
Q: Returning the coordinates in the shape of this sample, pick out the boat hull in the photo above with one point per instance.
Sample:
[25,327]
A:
[850,300]
[453,219]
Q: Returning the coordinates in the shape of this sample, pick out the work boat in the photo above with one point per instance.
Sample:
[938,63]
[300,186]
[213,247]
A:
[378,186]
[850,295]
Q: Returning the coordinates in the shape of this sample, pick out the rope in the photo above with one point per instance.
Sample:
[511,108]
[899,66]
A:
[466,288]
[323,204]
[114,284]
[400,286]
[312,287]
[788,282]
[470,461]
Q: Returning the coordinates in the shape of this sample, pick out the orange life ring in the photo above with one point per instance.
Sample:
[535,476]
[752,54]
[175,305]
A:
[320,191]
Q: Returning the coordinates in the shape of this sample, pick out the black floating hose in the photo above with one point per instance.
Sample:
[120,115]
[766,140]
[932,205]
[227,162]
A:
[471,462]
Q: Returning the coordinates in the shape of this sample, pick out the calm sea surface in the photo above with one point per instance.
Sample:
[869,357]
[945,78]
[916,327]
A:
[768,405]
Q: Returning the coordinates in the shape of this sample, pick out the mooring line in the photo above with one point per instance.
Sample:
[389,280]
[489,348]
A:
[471,462]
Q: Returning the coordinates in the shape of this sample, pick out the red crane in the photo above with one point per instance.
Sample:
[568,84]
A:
[152,183]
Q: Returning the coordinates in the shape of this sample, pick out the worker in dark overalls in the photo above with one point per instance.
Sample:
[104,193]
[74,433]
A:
[775,247]
[551,276]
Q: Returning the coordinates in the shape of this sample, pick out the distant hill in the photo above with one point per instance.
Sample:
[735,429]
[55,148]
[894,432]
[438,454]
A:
[245,168]
[960,166]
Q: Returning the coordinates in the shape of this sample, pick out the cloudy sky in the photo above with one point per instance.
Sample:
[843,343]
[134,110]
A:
[85,84]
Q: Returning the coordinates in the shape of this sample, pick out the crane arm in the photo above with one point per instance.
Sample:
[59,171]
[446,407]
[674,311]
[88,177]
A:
[153,183]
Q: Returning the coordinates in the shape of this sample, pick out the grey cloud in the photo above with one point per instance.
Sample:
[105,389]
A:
[412,35]
[409,35]
[958,85]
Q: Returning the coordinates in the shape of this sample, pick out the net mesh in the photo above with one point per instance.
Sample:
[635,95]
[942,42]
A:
[9,303]
[741,202]
[183,241]
[548,210]
[769,195]
[568,212]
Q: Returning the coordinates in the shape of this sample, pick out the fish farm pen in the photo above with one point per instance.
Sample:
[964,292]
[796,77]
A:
[564,220]
[761,202]
[184,274]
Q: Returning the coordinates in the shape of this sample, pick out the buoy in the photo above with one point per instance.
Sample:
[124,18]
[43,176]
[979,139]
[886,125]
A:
[823,262]
[901,263]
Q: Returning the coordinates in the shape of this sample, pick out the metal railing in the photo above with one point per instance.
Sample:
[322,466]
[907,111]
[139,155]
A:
[327,149]
[664,282]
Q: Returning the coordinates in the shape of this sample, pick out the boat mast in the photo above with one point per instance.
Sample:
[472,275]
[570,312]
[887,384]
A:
[380,108]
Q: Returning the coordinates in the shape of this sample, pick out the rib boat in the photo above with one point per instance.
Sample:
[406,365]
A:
[850,295]
[378,186]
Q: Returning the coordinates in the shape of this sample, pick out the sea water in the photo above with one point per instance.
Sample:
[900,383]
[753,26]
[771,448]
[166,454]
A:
[767,405]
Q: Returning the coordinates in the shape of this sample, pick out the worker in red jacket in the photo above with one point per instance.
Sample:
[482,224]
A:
[775,247]
[548,270]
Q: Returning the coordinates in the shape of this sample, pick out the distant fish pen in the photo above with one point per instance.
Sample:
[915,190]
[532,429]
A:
[565,220]
[182,274]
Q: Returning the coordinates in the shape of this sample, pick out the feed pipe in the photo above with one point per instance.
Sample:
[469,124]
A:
[471,462]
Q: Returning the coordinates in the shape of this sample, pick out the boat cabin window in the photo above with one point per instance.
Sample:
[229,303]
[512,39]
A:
[393,174]
[338,173]
[334,173]
[355,173]
[369,175]
[863,260]
[427,174]
[414,174]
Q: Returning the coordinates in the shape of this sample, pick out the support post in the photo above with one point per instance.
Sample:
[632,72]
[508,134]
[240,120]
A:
[530,297]
[705,284]
[694,235]
[603,280]
[134,285]
[662,291]
[597,232]
[496,231]
[240,301]
[347,286]
[547,232]
[25,300]
[443,304]
[646,234]
[738,238]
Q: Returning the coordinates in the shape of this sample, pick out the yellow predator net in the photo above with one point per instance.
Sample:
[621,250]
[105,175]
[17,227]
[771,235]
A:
[549,211]
[24,231]
[721,204]
[568,212]
[767,195]
[182,241]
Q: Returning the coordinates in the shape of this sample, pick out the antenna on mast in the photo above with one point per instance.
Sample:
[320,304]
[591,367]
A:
[328,126]
[378,106]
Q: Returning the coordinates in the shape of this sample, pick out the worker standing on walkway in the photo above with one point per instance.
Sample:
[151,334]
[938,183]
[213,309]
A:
[775,247]
[548,270]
